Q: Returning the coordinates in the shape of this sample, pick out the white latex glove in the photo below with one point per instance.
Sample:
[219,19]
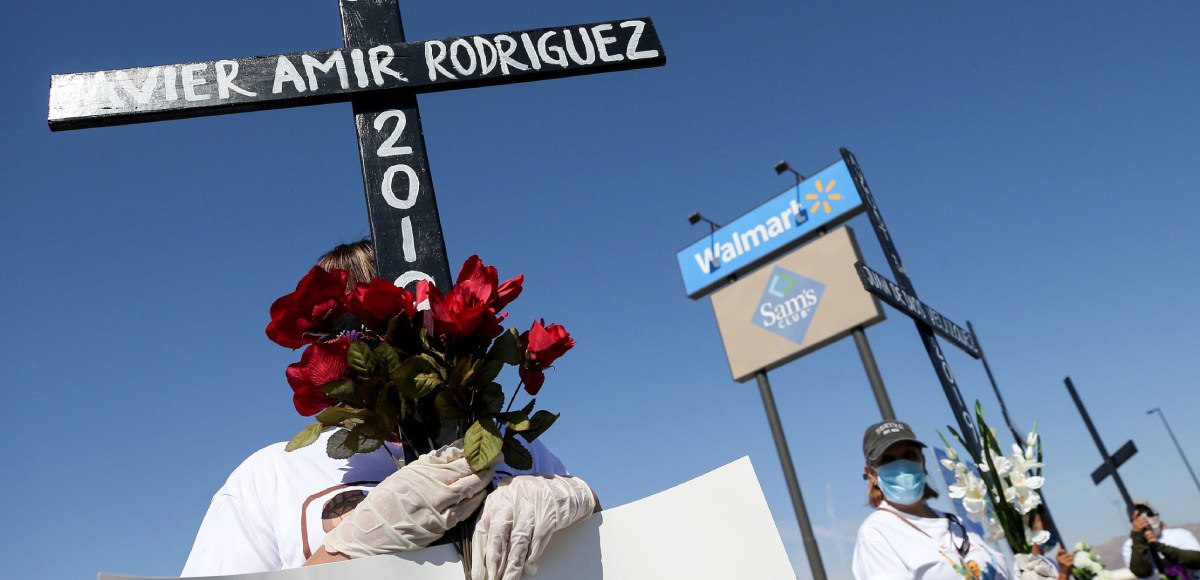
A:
[518,519]
[1034,567]
[413,506]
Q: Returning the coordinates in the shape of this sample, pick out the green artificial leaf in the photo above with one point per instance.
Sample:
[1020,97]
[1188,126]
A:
[336,415]
[305,437]
[359,441]
[483,444]
[486,371]
[515,421]
[414,376]
[425,383]
[387,358]
[489,400]
[449,406]
[386,411]
[528,408]
[462,372]
[336,448]
[359,359]
[342,389]
[507,348]
[515,454]
[538,424]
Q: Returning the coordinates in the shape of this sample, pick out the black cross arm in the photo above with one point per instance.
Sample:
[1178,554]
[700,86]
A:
[1117,460]
[178,91]
[898,298]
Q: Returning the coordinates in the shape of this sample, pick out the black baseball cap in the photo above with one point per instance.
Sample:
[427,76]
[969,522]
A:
[884,434]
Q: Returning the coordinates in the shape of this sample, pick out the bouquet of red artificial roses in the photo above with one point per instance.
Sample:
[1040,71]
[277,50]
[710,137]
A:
[379,368]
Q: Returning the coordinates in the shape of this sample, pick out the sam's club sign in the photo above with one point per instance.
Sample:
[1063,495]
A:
[788,304]
[783,222]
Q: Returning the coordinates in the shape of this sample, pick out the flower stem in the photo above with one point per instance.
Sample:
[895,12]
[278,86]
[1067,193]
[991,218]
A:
[514,397]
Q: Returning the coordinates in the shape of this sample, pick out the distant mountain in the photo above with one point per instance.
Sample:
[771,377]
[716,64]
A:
[1110,551]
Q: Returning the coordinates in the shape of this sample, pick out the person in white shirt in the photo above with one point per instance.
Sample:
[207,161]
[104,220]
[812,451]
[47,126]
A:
[904,538]
[1151,544]
[283,509]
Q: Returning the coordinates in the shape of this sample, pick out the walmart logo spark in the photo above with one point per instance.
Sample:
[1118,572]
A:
[821,200]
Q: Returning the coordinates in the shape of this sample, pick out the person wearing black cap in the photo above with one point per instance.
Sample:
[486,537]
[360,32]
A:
[1176,548]
[904,538]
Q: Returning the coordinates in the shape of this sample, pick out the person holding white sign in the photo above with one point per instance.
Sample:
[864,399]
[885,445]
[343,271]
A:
[282,509]
[904,538]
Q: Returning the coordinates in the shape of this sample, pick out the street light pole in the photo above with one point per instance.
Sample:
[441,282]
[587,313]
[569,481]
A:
[1191,472]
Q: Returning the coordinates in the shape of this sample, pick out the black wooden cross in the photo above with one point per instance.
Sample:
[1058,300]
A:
[903,295]
[380,74]
[1111,463]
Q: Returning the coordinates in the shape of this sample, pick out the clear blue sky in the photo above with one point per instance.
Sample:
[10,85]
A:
[1036,164]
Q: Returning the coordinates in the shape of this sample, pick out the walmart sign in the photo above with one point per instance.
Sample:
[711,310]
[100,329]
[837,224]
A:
[783,222]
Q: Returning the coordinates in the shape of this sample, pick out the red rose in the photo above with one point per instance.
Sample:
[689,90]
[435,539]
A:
[532,379]
[461,312]
[321,363]
[543,345]
[297,318]
[471,307]
[376,303]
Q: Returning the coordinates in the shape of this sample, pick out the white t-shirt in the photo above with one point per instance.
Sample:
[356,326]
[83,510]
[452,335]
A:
[888,548]
[1176,537]
[275,509]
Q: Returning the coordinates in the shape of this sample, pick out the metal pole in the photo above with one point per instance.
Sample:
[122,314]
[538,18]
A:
[868,360]
[1016,433]
[1100,445]
[789,474]
[1191,472]
[1047,519]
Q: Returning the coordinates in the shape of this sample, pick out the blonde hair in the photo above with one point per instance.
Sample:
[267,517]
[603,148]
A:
[357,258]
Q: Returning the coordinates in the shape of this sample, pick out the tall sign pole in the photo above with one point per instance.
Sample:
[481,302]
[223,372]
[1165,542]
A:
[925,330]
[380,74]
[815,563]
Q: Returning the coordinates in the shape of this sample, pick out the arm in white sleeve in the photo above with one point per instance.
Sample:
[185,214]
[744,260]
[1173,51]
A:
[234,538]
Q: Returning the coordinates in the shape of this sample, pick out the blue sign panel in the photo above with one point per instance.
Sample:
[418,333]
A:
[783,222]
[788,304]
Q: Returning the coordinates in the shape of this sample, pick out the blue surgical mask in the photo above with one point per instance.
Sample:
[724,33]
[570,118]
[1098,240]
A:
[902,481]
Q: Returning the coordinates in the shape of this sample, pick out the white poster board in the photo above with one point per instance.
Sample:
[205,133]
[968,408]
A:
[716,526]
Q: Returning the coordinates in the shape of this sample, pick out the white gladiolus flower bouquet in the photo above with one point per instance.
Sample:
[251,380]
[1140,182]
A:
[1004,496]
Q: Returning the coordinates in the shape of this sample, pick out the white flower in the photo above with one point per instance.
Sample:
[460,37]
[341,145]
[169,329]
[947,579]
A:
[1023,498]
[1020,464]
[951,453]
[1037,538]
[1003,465]
[973,493]
[950,464]
[993,531]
